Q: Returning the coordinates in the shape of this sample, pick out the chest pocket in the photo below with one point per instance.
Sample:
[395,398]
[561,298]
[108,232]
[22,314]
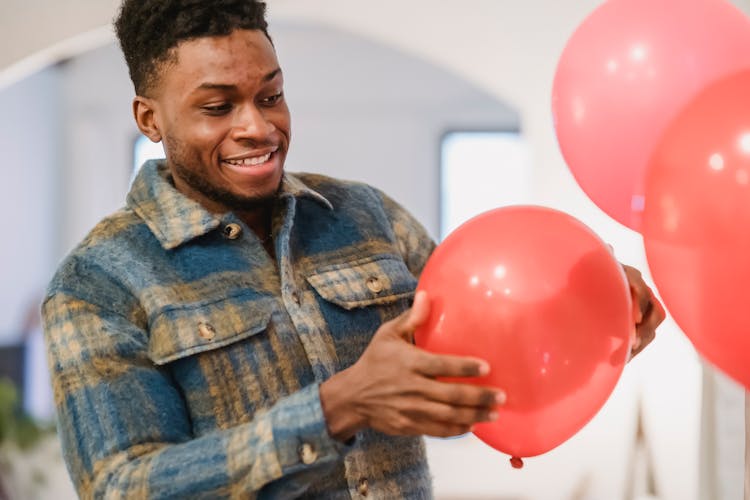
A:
[357,297]
[365,282]
[221,355]
[186,330]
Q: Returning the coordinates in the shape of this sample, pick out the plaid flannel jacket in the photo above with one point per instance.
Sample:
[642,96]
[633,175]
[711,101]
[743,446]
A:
[186,362]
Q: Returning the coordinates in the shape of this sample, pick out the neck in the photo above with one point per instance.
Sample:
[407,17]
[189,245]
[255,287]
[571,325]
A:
[259,220]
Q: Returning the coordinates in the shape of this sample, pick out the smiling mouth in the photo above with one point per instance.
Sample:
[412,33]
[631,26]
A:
[249,162]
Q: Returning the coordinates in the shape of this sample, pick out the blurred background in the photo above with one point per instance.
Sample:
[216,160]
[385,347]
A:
[443,105]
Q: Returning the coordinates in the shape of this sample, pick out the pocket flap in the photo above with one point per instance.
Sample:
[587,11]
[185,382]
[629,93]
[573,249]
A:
[364,282]
[185,330]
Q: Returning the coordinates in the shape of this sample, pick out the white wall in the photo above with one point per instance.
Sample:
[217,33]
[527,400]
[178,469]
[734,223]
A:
[98,141]
[381,119]
[29,141]
[35,32]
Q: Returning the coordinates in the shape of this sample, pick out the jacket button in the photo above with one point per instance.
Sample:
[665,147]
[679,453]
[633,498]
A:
[374,284]
[363,488]
[232,231]
[206,331]
[308,454]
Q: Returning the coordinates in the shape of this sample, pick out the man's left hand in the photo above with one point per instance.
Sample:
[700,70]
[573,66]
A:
[648,312]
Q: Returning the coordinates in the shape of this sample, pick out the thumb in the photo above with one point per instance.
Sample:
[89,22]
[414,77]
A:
[636,312]
[416,316]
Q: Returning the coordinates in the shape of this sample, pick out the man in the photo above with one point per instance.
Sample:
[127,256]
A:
[235,330]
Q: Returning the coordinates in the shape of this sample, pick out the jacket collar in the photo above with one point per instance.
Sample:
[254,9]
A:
[176,219]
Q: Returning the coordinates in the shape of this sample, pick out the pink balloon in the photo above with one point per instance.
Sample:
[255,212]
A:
[696,224]
[540,297]
[624,74]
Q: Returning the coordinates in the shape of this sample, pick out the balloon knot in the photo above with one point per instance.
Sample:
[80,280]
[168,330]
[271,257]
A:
[516,462]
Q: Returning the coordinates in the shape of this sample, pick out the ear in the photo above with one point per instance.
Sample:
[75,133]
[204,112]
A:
[146,117]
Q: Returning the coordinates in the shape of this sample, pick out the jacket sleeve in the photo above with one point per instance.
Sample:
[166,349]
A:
[126,432]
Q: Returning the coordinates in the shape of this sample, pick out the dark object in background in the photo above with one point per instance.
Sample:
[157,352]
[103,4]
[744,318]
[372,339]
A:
[12,357]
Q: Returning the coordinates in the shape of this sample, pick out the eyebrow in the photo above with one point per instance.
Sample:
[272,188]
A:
[225,86]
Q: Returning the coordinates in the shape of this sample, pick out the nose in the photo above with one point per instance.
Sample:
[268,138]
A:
[251,124]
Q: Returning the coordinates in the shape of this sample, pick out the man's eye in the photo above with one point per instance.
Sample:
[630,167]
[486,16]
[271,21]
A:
[271,100]
[218,109]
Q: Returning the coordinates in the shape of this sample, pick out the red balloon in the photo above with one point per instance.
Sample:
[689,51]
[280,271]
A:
[697,223]
[624,74]
[540,297]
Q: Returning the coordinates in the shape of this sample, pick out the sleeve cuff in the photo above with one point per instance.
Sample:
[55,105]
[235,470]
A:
[301,435]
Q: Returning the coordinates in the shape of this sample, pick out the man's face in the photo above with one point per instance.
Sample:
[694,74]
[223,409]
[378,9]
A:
[221,113]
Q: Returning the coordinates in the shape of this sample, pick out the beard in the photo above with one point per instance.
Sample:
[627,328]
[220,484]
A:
[191,176]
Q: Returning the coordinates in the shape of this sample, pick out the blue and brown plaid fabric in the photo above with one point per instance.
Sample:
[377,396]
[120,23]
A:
[186,361]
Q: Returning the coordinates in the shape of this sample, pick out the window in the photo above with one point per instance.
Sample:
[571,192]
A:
[144,149]
[479,171]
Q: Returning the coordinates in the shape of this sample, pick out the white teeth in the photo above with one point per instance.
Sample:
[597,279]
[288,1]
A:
[249,162]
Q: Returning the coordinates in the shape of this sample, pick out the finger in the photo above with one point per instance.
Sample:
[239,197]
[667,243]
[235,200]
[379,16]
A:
[446,365]
[635,311]
[457,394]
[463,416]
[441,429]
[403,424]
[652,310]
[419,312]
[639,292]
[645,302]
[645,337]
[656,313]
[646,334]
[635,341]
[417,315]
[646,331]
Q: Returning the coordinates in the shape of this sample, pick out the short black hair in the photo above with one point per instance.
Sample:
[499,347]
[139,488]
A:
[149,30]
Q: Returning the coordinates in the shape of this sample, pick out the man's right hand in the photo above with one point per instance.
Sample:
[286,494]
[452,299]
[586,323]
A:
[392,388]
